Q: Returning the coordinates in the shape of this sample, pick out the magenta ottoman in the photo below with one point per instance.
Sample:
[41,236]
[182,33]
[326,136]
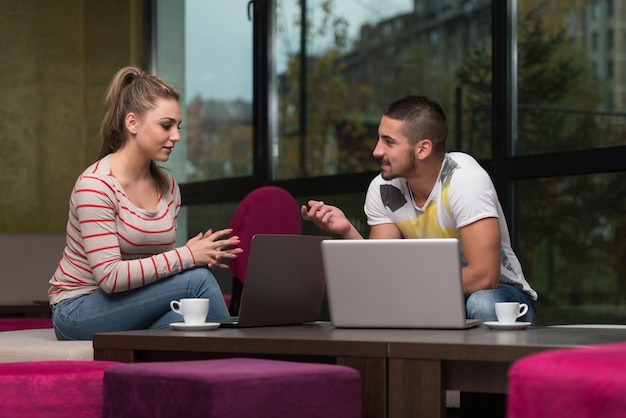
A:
[13,324]
[47,389]
[235,387]
[578,382]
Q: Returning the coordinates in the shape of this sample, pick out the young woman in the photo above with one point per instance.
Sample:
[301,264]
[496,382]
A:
[120,268]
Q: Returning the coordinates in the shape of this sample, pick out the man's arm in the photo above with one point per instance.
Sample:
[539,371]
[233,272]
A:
[332,219]
[385,231]
[481,248]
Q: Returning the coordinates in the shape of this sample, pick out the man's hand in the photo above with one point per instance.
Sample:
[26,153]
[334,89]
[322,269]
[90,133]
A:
[329,218]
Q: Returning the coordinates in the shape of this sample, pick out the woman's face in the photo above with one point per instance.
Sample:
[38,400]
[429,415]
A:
[158,130]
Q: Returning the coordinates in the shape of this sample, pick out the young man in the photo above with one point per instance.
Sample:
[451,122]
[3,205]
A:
[424,192]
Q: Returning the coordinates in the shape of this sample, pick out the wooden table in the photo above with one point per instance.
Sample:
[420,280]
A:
[405,373]
[423,364]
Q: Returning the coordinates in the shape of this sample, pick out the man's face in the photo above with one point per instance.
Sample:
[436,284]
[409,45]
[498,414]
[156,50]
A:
[393,149]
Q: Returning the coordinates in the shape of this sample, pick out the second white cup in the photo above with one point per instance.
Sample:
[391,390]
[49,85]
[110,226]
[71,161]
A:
[508,312]
[193,310]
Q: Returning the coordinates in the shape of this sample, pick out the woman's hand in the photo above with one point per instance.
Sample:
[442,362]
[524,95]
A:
[209,249]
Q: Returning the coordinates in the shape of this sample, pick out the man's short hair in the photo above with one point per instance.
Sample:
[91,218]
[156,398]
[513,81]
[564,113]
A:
[423,118]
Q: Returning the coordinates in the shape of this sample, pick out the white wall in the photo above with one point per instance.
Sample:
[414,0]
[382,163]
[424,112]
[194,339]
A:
[28,261]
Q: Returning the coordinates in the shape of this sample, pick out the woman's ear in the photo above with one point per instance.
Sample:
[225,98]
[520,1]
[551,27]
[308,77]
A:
[131,122]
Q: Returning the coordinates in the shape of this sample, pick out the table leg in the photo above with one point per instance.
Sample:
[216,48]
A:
[374,383]
[416,389]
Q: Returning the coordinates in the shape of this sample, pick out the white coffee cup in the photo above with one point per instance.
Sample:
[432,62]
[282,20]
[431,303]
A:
[508,312]
[193,310]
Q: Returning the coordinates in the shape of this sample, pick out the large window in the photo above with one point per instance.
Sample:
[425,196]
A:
[217,81]
[570,239]
[563,104]
[570,222]
[534,89]
[340,62]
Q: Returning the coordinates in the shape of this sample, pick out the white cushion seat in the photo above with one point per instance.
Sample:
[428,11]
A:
[41,345]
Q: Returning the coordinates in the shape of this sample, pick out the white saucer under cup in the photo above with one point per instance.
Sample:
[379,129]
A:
[182,326]
[512,326]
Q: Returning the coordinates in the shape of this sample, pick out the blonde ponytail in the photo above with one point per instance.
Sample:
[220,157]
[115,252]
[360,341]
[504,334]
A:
[131,90]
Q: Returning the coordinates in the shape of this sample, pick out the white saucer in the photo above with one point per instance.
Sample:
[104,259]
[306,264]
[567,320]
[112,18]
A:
[181,326]
[498,325]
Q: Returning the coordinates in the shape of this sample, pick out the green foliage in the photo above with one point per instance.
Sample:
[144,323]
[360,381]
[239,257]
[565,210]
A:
[311,148]
[569,228]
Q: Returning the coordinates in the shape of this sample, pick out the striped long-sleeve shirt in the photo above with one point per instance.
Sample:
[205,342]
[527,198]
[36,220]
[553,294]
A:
[111,243]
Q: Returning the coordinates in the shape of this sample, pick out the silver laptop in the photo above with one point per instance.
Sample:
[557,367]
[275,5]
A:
[284,281]
[395,283]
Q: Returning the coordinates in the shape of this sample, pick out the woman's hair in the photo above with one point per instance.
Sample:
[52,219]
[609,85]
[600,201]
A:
[423,118]
[132,90]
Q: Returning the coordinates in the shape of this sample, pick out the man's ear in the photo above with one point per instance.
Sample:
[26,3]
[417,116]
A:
[424,148]
[131,122]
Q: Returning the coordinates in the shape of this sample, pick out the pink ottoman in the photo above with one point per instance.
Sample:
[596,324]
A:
[580,382]
[235,387]
[12,324]
[46,389]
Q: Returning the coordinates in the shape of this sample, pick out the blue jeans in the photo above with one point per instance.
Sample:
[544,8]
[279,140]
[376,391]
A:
[147,307]
[481,304]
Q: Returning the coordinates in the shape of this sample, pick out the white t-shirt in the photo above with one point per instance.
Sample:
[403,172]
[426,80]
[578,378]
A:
[463,194]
